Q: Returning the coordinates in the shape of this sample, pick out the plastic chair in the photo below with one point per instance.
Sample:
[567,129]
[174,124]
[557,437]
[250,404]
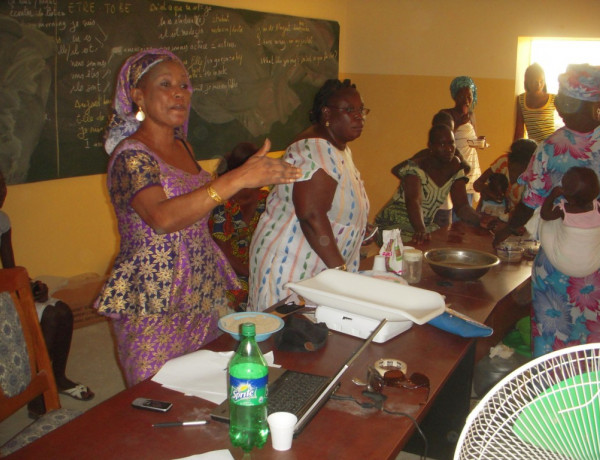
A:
[25,368]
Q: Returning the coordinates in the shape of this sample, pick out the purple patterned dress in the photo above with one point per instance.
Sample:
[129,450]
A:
[566,309]
[165,292]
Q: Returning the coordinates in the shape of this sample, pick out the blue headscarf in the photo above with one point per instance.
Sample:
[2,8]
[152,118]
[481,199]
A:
[463,82]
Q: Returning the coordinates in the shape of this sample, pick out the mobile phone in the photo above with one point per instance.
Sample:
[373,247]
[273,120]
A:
[151,404]
[288,308]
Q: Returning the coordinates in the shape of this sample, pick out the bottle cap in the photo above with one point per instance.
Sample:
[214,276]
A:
[248,330]
[412,255]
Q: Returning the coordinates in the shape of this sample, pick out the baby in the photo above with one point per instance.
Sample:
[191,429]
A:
[570,229]
[494,201]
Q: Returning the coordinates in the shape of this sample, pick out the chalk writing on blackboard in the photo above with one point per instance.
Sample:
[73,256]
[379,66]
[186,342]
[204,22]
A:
[254,76]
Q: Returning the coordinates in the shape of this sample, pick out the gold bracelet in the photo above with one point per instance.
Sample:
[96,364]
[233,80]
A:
[341,267]
[213,194]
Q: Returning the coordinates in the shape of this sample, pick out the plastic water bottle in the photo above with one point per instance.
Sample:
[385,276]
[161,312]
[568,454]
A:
[248,378]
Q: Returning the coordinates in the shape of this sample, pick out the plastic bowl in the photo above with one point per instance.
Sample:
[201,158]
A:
[510,253]
[266,324]
[460,264]
[531,248]
[478,143]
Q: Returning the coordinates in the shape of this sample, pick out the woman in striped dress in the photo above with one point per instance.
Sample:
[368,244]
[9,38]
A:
[535,107]
[318,222]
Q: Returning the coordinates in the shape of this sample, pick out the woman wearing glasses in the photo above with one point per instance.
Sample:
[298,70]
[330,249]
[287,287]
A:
[318,222]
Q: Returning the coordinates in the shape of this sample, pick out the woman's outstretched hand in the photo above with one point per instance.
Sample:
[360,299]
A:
[262,170]
[421,237]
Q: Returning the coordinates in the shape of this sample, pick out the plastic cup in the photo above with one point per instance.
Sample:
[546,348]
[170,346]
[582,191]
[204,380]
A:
[281,425]
[379,264]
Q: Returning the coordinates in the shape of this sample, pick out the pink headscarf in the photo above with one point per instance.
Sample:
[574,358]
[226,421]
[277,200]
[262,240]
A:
[580,81]
[123,122]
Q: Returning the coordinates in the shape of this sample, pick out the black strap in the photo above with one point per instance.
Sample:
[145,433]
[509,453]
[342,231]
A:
[191,155]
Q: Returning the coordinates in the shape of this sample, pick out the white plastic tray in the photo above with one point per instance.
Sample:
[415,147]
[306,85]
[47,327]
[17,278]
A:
[371,297]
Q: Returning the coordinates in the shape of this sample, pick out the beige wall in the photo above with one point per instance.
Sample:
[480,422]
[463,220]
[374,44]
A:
[402,54]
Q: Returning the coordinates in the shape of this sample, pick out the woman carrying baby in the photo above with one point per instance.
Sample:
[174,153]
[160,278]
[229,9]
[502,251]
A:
[566,309]
[570,229]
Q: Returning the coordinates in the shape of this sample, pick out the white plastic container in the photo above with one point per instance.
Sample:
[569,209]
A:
[412,265]
[358,325]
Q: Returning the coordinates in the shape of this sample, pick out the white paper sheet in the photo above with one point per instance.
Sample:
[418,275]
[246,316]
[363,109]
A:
[222,454]
[202,374]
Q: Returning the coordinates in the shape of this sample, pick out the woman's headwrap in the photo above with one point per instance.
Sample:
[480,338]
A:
[463,82]
[123,122]
[580,81]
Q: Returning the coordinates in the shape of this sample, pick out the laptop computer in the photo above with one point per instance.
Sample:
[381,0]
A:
[300,393]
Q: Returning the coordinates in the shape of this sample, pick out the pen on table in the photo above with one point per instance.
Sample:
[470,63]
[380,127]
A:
[172,424]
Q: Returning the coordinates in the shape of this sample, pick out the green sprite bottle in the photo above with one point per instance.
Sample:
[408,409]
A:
[248,377]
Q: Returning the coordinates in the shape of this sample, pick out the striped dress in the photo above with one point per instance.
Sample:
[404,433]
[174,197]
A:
[279,252]
[394,213]
[539,122]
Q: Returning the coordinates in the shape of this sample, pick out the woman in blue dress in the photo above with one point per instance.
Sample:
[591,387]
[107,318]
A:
[565,309]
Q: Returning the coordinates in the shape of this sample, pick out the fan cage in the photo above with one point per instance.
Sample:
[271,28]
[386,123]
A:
[489,430]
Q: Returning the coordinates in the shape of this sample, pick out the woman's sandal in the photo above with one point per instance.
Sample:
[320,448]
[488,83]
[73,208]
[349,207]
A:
[79,392]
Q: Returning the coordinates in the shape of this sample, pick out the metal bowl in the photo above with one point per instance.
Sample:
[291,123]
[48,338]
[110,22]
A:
[460,264]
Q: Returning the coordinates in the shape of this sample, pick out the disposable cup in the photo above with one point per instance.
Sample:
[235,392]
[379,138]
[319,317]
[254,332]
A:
[282,426]
[379,264]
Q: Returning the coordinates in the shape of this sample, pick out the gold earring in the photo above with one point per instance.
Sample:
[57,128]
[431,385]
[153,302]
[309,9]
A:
[598,114]
[140,115]
[327,123]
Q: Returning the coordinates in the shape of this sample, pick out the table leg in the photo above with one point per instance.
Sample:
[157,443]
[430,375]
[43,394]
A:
[444,422]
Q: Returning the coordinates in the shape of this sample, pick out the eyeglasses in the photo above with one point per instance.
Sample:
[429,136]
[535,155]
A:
[362,111]
[396,379]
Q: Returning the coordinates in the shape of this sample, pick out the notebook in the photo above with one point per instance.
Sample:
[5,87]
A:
[300,393]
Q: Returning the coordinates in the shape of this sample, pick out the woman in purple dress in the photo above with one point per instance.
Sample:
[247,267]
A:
[566,309]
[167,287]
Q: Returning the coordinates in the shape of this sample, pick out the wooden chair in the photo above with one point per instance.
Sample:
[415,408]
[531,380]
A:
[25,369]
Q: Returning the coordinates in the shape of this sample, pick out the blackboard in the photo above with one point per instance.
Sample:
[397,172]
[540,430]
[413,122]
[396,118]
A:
[254,75]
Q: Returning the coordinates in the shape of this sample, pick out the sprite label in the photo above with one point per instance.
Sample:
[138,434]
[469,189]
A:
[248,392]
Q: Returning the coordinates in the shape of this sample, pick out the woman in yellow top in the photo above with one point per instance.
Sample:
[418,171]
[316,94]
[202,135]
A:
[535,107]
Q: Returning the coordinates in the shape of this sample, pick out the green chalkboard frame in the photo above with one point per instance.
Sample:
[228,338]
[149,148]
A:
[254,74]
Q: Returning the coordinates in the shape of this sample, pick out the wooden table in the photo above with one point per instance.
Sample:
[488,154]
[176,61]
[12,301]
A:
[342,429]
[498,299]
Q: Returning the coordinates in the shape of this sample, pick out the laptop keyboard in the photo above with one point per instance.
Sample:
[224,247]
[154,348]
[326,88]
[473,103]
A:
[294,390]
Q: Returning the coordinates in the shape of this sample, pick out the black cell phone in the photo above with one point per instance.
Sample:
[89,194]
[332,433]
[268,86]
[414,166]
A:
[288,308]
[151,404]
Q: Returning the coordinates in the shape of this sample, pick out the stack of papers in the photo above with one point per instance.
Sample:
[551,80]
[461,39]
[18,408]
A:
[202,373]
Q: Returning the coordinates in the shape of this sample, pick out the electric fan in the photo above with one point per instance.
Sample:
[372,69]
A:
[547,409]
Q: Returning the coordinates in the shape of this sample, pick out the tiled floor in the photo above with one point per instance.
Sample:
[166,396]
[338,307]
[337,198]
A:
[91,362]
